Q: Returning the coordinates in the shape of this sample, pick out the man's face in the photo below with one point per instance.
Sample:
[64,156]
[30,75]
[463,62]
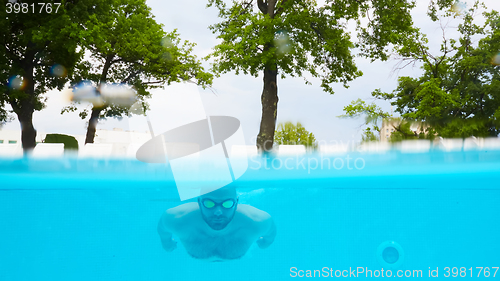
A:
[218,210]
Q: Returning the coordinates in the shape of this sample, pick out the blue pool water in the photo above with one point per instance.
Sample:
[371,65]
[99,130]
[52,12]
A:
[74,219]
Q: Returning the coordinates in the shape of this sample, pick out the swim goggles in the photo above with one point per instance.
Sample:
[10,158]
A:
[209,204]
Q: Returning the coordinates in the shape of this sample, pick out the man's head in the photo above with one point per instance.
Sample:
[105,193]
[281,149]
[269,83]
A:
[218,207]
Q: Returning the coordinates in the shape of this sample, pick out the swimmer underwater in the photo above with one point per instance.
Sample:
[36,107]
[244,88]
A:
[216,227]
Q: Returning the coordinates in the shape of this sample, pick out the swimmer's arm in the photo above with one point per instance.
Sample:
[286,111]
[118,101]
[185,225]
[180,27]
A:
[268,237]
[165,232]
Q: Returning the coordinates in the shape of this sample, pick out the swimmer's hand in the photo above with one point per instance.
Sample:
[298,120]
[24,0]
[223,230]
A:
[264,242]
[169,244]
[268,238]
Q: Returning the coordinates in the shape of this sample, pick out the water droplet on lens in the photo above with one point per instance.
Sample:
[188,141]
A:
[282,42]
[496,59]
[167,42]
[458,7]
[167,56]
[58,70]
[137,108]
[118,94]
[85,91]
[16,82]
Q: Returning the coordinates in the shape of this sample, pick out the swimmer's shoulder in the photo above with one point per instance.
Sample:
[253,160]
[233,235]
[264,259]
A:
[255,219]
[182,211]
[176,217]
[253,213]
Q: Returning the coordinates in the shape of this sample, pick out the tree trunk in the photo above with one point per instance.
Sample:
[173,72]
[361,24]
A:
[25,106]
[91,128]
[28,132]
[96,111]
[269,101]
[25,116]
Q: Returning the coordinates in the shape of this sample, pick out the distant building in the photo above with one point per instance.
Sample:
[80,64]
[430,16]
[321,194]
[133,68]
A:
[122,143]
[14,137]
[389,126]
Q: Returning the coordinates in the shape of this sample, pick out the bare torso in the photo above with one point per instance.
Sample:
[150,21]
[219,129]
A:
[232,242]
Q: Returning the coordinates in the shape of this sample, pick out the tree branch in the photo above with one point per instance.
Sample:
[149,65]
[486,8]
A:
[153,82]
[262,6]
[107,65]
[15,106]
[280,9]
[130,76]
[247,4]
[270,7]
[317,31]
[117,60]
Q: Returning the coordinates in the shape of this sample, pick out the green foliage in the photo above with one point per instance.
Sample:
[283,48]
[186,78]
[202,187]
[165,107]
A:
[300,36]
[369,135]
[70,143]
[128,46]
[373,114]
[30,45]
[403,132]
[294,37]
[459,93]
[389,24]
[403,129]
[292,134]
[317,36]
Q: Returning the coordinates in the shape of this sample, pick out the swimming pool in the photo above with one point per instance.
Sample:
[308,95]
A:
[75,219]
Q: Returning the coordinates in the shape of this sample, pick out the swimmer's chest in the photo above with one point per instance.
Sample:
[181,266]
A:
[230,246]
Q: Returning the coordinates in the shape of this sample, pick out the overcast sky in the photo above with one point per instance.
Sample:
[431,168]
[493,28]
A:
[239,96]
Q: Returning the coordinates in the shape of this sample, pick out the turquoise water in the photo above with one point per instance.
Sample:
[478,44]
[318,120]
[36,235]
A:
[73,219]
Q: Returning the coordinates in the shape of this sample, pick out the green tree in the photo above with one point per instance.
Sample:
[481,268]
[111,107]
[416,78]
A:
[35,47]
[292,134]
[458,94]
[403,131]
[290,37]
[373,115]
[127,45]
[369,135]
